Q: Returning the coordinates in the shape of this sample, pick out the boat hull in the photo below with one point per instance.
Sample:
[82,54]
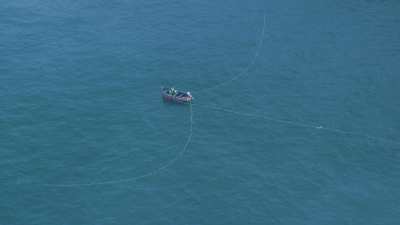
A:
[187,98]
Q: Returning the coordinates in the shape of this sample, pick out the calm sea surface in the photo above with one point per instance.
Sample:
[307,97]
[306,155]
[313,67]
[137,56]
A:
[296,117]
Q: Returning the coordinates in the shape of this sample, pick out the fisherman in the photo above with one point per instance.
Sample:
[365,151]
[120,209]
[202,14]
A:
[173,91]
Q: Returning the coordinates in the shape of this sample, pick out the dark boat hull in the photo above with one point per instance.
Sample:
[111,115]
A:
[179,97]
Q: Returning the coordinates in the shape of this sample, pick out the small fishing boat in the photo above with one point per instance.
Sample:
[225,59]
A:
[172,95]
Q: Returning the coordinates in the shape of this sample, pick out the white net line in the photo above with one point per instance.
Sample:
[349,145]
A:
[132,179]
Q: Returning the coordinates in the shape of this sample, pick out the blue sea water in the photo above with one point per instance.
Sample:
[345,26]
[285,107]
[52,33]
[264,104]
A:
[296,118]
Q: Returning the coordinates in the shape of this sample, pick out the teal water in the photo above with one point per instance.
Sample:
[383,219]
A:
[295,119]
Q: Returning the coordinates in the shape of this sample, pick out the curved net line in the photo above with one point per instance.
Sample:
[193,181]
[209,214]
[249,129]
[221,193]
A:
[189,138]
[283,121]
[302,124]
[247,69]
[132,179]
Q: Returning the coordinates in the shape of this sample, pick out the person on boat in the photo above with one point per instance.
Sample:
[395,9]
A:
[173,91]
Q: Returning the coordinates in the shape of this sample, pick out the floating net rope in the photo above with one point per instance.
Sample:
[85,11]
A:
[136,178]
[299,124]
[189,138]
[246,71]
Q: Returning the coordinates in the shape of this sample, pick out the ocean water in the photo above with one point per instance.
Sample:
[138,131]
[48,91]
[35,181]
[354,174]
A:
[296,117]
